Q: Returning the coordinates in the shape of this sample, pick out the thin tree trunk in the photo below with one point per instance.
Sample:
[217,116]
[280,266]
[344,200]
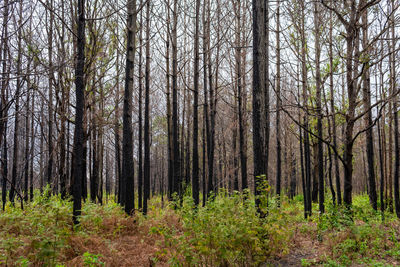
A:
[195,168]
[32,147]
[241,107]
[146,177]
[15,161]
[206,122]
[278,106]
[27,132]
[140,148]
[395,116]
[169,112]
[332,104]
[4,100]
[177,179]
[50,106]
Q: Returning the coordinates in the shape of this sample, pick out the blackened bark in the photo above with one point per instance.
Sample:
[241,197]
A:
[266,89]
[140,148]
[293,174]
[195,168]
[146,177]
[177,179]
[4,100]
[4,167]
[258,95]
[17,110]
[241,107]
[278,108]
[369,139]
[32,148]
[127,182]
[169,112]
[79,134]
[206,119]
[332,101]
[26,163]
[211,129]
[317,22]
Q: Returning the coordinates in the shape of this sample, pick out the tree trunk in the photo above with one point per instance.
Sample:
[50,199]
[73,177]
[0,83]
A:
[80,102]
[4,100]
[50,106]
[127,179]
[258,95]
[140,148]
[177,179]
[278,107]
[146,177]
[241,107]
[395,116]
[333,110]
[195,168]
[318,22]
[369,138]
[15,161]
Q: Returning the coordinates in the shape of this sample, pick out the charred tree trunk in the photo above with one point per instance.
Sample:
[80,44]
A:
[317,22]
[80,102]
[369,139]
[258,95]
[177,178]
[278,107]
[146,177]
[15,160]
[140,148]
[127,179]
[195,168]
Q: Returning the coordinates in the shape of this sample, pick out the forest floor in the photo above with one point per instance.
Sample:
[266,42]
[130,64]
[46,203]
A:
[224,233]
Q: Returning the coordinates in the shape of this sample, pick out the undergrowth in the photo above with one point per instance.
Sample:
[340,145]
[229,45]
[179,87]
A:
[226,232]
[42,234]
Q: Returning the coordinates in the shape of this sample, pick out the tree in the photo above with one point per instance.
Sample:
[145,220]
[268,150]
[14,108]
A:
[369,138]
[355,67]
[258,94]
[146,177]
[240,107]
[317,23]
[392,63]
[80,100]
[195,168]
[177,178]
[15,160]
[50,104]
[140,119]
[278,105]
[3,102]
[332,106]
[127,188]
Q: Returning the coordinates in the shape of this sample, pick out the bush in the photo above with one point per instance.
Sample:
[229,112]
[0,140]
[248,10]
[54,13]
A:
[227,232]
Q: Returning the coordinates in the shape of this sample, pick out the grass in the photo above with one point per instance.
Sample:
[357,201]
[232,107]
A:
[226,232]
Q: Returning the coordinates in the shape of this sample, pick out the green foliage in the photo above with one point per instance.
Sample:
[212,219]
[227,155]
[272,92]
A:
[307,262]
[42,231]
[227,231]
[92,260]
[357,234]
